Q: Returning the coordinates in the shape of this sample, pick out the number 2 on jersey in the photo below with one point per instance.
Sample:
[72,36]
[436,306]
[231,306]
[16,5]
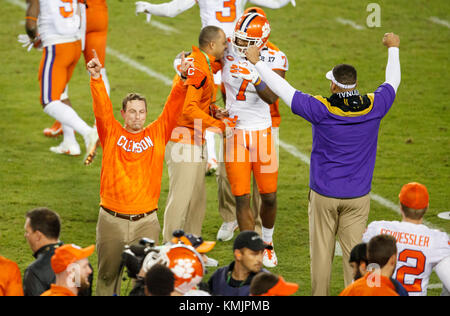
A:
[420,258]
[227,18]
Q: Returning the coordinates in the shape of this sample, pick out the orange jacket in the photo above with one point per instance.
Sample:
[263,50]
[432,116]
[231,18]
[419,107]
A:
[56,290]
[132,166]
[10,278]
[199,97]
[361,288]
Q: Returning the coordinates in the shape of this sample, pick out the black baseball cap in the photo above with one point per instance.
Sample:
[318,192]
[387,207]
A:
[251,240]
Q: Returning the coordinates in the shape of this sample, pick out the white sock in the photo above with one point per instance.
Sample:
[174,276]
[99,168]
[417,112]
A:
[105,79]
[69,134]
[267,234]
[210,145]
[67,116]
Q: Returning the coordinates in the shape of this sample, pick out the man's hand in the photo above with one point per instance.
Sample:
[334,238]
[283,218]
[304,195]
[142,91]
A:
[245,71]
[230,124]
[252,54]
[220,114]
[391,40]
[181,64]
[141,7]
[94,66]
[28,43]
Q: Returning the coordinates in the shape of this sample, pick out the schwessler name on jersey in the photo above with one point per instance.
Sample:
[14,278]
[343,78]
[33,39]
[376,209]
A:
[242,99]
[419,249]
[58,22]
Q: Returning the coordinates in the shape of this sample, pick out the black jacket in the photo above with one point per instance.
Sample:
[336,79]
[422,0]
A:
[39,275]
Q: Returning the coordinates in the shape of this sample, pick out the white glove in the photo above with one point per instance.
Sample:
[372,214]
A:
[246,71]
[28,43]
[141,6]
[293,3]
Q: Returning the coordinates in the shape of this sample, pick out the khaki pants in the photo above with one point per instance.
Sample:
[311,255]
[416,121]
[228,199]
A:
[186,202]
[329,218]
[113,234]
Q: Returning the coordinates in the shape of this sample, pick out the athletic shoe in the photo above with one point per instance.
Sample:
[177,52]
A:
[67,149]
[210,262]
[55,130]
[211,167]
[270,258]
[91,141]
[226,231]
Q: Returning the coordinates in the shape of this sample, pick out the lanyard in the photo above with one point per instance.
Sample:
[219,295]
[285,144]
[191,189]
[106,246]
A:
[207,60]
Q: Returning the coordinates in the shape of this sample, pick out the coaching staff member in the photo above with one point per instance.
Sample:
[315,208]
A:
[345,133]
[132,166]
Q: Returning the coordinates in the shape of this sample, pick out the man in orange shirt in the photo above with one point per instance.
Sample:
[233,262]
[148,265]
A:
[72,270]
[10,278]
[132,166]
[185,153]
[381,254]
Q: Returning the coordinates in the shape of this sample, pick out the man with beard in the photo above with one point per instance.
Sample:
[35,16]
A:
[72,270]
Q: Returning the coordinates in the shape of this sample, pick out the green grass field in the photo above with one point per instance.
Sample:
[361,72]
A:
[414,143]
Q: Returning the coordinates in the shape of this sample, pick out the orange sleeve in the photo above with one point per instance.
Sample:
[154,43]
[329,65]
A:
[103,111]
[173,108]
[192,108]
[10,279]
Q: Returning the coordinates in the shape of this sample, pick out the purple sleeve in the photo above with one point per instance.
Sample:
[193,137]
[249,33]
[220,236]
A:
[384,98]
[308,107]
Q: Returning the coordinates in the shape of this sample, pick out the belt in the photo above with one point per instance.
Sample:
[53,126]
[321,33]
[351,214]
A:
[132,218]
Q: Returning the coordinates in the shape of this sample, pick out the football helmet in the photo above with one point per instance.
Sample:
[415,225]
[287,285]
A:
[183,260]
[251,29]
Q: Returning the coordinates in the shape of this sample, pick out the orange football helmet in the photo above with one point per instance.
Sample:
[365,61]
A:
[185,263]
[252,29]
[255,10]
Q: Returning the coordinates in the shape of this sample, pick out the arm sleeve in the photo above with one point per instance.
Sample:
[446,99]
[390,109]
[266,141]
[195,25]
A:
[170,9]
[15,285]
[393,74]
[271,4]
[192,109]
[442,270]
[277,84]
[32,285]
[103,111]
[173,108]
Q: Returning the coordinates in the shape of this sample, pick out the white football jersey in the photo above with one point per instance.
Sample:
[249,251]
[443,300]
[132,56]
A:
[58,22]
[221,13]
[242,99]
[419,250]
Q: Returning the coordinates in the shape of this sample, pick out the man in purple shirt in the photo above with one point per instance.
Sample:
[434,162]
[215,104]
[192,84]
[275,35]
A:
[345,133]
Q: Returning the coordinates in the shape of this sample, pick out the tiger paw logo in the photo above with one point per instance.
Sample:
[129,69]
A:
[184,268]
[265,30]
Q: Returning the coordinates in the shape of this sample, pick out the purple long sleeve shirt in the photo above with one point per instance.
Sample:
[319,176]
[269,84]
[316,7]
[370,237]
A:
[344,144]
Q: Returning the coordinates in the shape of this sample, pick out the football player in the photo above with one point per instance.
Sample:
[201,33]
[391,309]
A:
[61,41]
[223,14]
[251,148]
[420,248]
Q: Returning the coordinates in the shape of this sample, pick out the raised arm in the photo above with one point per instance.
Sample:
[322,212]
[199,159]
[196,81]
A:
[393,74]
[169,9]
[273,4]
[274,81]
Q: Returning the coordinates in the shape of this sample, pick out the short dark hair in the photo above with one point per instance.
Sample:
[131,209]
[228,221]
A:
[380,249]
[345,74]
[46,221]
[131,97]
[412,213]
[359,253]
[160,280]
[263,282]
[207,35]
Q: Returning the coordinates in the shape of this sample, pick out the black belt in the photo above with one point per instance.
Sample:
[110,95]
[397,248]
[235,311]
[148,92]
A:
[130,217]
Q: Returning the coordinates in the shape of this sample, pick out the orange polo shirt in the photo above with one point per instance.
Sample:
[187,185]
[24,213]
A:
[10,278]
[199,97]
[132,166]
[56,290]
[361,288]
